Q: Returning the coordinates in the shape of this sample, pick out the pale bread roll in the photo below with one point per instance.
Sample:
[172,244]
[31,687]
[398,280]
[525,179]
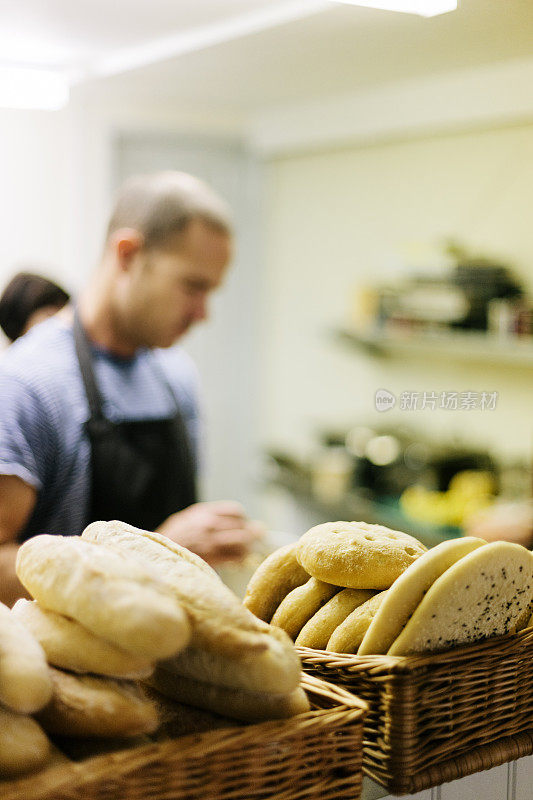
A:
[235,703]
[109,593]
[69,645]
[25,684]
[270,671]
[301,604]
[87,705]
[278,575]
[483,594]
[24,747]
[357,555]
[347,637]
[220,623]
[318,631]
[408,590]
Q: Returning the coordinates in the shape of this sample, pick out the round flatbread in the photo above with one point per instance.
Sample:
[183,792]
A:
[278,575]
[408,590]
[317,632]
[483,594]
[301,604]
[357,555]
[347,637]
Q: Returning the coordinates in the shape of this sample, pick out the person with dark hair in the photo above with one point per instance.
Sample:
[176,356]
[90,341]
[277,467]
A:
[97,422]
[28,299]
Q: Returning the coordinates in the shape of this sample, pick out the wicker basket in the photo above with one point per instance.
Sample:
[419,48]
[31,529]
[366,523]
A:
[313,755]
[439,717]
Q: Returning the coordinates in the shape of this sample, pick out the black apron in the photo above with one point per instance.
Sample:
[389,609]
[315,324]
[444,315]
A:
[141,471]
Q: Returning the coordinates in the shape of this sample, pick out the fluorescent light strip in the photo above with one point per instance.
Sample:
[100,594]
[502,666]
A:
[207,36]
[38,89]
[424,8]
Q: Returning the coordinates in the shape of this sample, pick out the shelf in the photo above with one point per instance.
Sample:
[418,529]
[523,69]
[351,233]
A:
[357,506]
[464,345]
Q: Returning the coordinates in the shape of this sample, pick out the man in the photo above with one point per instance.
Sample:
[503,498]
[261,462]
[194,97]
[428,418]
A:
[95,421]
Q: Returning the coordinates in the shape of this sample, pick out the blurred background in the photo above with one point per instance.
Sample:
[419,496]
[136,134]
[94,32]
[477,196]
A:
[372,354]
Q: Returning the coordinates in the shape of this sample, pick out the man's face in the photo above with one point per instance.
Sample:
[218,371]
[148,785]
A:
[169,289]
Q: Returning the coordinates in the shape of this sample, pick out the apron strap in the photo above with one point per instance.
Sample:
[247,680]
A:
[83,351]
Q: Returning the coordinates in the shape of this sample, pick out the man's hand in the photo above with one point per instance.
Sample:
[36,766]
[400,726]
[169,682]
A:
[509,522]
[218,531]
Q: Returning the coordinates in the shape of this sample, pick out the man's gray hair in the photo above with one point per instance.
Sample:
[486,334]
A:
[163,204]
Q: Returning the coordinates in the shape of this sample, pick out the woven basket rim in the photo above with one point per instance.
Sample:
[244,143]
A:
[377,664]
[61,775]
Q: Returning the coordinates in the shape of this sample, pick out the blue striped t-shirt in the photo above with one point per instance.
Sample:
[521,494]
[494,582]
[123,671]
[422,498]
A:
[43,409]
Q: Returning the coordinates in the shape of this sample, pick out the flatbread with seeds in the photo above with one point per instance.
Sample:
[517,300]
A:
[407,592]
[484,594]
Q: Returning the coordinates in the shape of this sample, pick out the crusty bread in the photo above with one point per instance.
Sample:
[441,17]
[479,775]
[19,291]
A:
[278,575]
[357,555]
[69,645]
[236,703]
[86,705]
[275,669]
[100,532]
[220,623]
[347,637]
[408,590]
[25,684]
[24,746]
[301,604]
[483,594]
[318,631]
[109,593]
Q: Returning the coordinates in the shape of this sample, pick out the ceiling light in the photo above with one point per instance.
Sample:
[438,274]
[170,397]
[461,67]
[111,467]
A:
[424,8]
[38,89]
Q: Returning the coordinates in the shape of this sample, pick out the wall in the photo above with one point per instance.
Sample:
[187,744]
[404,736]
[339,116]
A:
[35,188]
[342,218]
[334,218]
[56,176]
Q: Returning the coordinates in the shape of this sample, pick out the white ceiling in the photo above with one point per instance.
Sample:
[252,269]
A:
[248,54]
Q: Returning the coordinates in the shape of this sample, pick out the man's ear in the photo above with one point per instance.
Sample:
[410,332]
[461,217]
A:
[126,243]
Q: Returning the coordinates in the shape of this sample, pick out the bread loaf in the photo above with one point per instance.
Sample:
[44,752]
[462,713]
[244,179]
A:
[276,669]
[69,645]
[86,705]
[25,684]
[236,703]
[24,746]
[219,622]
[109,593]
